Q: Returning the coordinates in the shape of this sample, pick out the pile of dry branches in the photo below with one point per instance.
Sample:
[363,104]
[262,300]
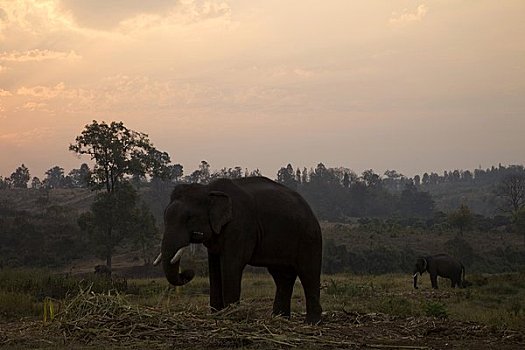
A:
[108,318]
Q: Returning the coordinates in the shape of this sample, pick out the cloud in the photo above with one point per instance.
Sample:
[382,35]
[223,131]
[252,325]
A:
[185,13]
[5,93]
[34,16]
[407,17]
[43,92]
[106,15]
[37,55]
[35,106]
[26,137]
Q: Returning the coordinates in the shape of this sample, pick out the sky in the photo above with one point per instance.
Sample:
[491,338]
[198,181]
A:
[408,85]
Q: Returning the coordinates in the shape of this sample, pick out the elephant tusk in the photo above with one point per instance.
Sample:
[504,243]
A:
[415,275]
[157,260]
[178,255]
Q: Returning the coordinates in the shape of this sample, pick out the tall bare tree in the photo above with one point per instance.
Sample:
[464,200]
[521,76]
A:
[512,191]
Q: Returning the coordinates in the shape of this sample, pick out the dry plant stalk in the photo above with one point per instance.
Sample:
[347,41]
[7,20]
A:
[91,318]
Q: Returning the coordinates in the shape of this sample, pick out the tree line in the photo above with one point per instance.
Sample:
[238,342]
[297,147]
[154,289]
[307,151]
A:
[125,162]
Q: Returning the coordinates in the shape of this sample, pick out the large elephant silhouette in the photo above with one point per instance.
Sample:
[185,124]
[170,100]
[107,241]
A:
[246,221]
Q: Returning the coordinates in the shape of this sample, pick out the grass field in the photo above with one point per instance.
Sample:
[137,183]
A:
[359,312]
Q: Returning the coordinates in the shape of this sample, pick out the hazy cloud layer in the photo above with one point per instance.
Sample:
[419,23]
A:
[407,85]
[406,16]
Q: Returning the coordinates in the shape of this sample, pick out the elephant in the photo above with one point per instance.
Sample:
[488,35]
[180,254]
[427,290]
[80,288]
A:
[441,265]
[245,221]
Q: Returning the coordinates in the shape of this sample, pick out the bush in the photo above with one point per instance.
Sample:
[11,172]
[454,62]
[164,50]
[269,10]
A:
[436,309]
[348,289]
[397,306]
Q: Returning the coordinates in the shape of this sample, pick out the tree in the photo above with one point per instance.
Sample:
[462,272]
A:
[255,172]
[298,176]
[36,183]
[426,179]
[80,178]
[20,177]
[519,222]
[512,191]
[371,179]
[146,231]
[413,203]
[417,180]
[54,177]
[461,218]
[201,175]
[346,180]
[117,152]
[176,171]
[304,178]
[110,220]
[286,176]
[4,183]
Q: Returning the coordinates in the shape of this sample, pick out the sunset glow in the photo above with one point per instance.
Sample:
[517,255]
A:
[408,85]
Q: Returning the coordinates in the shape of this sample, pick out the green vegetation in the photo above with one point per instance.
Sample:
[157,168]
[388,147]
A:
[495,300]
[23,291]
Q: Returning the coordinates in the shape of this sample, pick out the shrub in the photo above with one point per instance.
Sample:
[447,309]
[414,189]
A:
[396,306]
[436,309]
[337,288]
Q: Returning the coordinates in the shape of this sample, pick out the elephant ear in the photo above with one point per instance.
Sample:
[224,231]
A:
[220,210]
[423,263]
[420,263]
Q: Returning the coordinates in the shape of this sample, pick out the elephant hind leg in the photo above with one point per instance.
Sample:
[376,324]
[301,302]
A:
[311,285]
[284,279]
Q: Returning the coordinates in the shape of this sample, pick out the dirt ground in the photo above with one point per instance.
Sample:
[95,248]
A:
[237,329]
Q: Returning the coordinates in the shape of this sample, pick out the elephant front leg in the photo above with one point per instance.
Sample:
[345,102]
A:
[284,282]
[231,276]
[214,265]
[433,280]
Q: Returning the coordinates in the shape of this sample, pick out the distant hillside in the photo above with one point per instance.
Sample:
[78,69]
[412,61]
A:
[32,200]
[39,228]
[480,198]
[383,248]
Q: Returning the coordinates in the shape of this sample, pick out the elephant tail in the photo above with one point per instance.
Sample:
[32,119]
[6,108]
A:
[462,275]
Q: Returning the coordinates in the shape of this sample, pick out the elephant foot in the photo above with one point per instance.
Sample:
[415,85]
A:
[313,320]
[281,314]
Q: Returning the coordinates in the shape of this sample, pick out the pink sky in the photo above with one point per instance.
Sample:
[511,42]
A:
[408,85]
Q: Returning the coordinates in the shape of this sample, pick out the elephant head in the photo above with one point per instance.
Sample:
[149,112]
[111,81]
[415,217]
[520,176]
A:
[194,215]
[420,267]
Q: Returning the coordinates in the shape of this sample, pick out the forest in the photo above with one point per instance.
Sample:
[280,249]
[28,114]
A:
[115,206]
[44,221]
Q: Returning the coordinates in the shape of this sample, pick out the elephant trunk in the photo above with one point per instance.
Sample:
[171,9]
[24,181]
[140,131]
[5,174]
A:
[415,280]
[171,266]
[172,273]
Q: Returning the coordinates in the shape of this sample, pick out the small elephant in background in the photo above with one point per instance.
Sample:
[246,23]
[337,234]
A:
[441,265]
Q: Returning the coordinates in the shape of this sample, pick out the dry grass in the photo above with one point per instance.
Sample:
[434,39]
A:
[360,312]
